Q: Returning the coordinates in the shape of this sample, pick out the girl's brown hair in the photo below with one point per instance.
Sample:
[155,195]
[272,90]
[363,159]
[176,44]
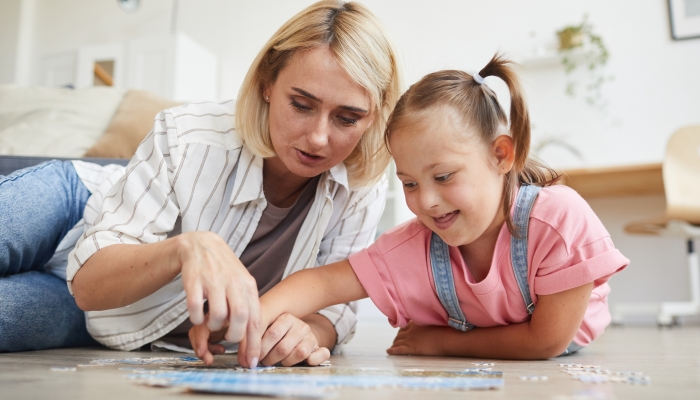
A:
[479,108]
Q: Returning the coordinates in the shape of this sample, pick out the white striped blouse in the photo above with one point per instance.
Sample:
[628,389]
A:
[192,172]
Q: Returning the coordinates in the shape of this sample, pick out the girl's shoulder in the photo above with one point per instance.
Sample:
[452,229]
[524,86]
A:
[411,234]
[562,211]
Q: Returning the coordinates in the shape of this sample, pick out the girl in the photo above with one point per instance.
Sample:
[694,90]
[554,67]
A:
[497,264]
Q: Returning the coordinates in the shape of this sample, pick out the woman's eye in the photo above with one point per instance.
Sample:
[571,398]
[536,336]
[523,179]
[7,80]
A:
[409,185]
[443,178]
[348,121]
[300,107]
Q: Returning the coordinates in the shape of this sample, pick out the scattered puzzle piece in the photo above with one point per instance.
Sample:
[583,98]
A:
[534,378]
[63,369]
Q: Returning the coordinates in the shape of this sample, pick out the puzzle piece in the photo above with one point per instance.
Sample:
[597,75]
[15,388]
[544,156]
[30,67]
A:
[150,361]
[63,369]
[534,378]
[592,378]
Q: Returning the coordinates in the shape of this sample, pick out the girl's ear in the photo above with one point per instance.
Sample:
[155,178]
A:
[503,150]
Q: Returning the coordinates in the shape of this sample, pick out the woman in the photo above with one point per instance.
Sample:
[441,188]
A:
[225,213]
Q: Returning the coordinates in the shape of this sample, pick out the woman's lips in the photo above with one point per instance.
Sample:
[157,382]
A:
[308,159]
[446,220]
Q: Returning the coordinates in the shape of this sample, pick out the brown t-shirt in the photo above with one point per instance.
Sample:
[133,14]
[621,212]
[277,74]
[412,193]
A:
[268,251]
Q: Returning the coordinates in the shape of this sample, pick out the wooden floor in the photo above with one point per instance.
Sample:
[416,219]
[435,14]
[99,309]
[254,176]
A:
[671,357]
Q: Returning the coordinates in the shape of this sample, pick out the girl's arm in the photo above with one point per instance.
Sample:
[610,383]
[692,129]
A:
[547,334]
[310,290]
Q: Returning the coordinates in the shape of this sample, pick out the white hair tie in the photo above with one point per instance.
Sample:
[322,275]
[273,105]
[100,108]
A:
[478,79]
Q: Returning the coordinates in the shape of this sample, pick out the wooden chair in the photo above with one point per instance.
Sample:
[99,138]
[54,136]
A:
[681,175]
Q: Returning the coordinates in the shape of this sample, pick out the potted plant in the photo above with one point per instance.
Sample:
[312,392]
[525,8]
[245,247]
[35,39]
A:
[580,46]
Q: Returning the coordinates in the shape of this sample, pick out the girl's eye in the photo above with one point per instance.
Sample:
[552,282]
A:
[348,121]
[409,185]
[300,107]
[443,178]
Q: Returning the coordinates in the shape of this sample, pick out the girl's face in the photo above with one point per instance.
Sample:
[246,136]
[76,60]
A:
[453,182]
[317,113]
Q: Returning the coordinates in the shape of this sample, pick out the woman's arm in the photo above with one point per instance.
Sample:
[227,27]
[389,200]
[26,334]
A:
[547,334]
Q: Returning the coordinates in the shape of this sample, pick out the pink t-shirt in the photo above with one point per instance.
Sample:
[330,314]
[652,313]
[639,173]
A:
[568,246]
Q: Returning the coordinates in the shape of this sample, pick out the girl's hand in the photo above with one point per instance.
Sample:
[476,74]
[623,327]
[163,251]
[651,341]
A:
[211,271]
[418,341]
[289,341]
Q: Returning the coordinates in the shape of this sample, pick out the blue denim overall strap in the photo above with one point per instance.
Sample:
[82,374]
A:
[518,249]
[445,284]
[518,244]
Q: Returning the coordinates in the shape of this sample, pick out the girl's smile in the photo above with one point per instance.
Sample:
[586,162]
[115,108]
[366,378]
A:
[445,221]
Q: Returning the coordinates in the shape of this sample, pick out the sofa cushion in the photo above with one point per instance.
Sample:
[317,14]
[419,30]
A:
[54,122]
[130,124]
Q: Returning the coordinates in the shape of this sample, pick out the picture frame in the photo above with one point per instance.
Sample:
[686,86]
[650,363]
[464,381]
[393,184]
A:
[684,16]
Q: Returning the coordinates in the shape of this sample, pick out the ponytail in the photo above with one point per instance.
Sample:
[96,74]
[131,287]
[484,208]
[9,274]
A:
[525,170]
[478,105]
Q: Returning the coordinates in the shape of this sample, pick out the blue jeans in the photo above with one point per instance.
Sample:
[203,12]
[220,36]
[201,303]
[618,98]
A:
[38,206]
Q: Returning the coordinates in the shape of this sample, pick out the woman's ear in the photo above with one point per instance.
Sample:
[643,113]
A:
[504,152]
[266,93]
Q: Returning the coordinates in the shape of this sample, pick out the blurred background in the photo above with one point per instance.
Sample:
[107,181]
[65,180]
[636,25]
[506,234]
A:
[608,83]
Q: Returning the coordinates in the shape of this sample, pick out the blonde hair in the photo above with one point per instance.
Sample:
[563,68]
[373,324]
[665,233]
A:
[479,109]
[362,48]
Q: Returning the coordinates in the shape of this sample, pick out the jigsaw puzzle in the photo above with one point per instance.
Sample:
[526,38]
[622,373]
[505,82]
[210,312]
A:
[316,382]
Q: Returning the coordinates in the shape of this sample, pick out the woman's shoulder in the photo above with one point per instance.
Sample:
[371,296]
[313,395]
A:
[204,109]
[210,122]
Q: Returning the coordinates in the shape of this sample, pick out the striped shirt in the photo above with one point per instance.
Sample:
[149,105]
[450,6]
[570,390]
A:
[193,173]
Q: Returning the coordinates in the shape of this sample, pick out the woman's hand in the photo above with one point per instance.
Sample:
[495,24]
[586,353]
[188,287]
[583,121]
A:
[211,271]
[205,342]
[417,340]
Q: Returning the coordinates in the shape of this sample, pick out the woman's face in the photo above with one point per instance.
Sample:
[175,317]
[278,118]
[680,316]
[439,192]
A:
[317,113]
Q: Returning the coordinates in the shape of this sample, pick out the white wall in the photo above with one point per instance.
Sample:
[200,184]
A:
[655,91]
[9,29]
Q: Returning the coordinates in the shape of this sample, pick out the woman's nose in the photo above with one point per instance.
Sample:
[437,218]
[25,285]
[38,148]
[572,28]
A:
[318,136]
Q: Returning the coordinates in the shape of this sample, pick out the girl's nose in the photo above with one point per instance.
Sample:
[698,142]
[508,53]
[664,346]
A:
[429,198]
[318,135]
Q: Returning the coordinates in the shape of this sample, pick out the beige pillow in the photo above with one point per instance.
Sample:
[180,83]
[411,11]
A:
[130,124]
[54,122]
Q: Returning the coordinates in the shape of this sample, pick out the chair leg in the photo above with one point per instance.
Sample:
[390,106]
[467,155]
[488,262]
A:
[671,310]
[667,313]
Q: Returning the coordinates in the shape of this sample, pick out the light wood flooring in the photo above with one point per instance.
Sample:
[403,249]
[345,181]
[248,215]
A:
[671,357]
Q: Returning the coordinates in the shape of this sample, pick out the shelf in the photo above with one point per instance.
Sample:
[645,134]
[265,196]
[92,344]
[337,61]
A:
[628,180]
[549,59]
